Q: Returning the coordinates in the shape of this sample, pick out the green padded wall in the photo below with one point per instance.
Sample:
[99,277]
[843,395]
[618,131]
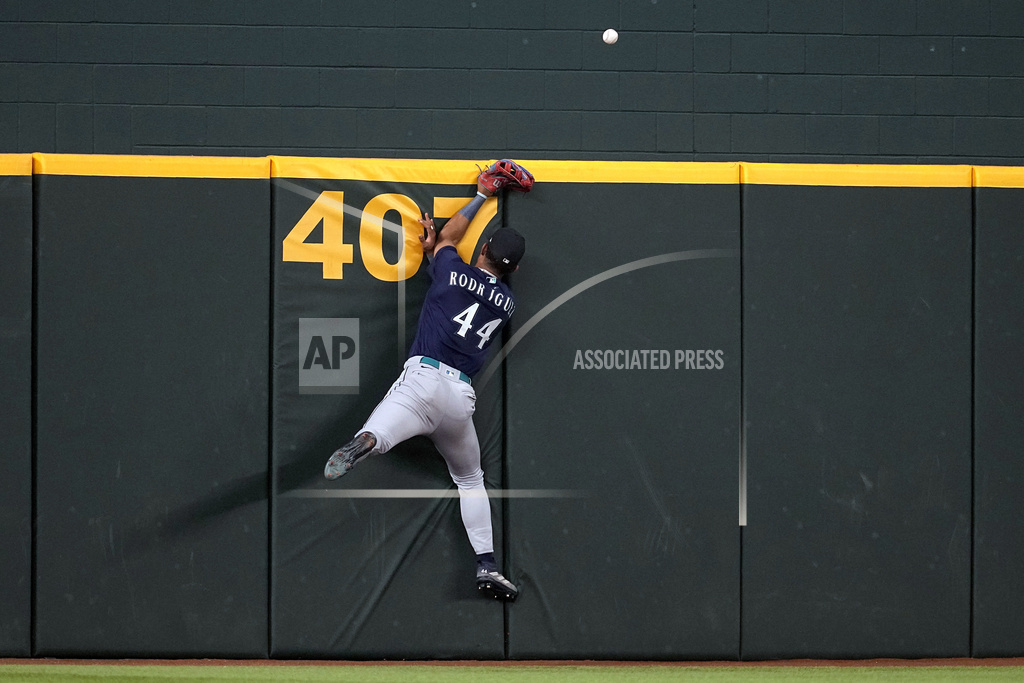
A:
[153,301]
[16,394]
[625,538]
[857,378]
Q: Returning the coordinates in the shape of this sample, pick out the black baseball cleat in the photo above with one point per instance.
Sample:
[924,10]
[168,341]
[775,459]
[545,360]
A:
[346,457]
[493,585]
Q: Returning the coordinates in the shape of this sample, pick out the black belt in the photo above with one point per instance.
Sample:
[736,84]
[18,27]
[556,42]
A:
[437,364]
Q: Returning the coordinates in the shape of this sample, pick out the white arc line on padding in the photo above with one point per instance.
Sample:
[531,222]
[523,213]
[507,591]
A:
[576,290]
[431,493]
[671,257]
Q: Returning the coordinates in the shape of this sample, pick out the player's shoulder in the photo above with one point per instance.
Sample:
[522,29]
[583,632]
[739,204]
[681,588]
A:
[446,259]
[448,251]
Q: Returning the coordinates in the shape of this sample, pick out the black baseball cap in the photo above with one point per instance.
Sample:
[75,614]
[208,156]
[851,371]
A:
[506,246]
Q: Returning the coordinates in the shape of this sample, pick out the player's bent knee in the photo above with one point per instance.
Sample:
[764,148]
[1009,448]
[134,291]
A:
[474,480]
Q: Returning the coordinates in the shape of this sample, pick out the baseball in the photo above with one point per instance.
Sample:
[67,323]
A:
[610,36]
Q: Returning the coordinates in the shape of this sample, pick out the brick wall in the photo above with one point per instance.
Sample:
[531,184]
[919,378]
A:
[908,81]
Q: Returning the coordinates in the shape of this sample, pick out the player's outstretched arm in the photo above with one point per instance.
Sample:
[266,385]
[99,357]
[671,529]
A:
[455,229]
[501,174]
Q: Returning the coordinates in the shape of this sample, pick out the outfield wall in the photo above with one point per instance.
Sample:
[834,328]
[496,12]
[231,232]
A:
[804,445]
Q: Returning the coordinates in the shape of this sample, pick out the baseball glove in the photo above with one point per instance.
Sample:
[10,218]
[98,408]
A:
[506,173]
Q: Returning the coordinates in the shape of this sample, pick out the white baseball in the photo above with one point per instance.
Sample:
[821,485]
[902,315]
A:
[610,36]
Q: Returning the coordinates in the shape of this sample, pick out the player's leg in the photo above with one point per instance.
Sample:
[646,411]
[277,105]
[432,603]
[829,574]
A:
[457,442]
[408,409]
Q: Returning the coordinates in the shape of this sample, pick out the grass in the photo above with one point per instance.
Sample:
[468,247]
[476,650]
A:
[498,673]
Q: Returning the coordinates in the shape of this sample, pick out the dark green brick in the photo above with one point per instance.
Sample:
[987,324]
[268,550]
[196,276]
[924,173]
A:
[57,10]
[432,13]
[300,45]
[37,124]
[55,83]
[206,85]
[527,14]
[988,56]
[735,16]
[246,45]
[397,129]
[746,93]
[582,15]
[1007,18]
[130,84]
[878,95]
[463,49]
[952,95]
[362,88]
[459,129]
[666,15]
[505,89]
[675,132]
[205,12]
[9,82]
[21,42]
[841,135]
[616,131]
[879,17]
[377,48]
[910,55]
[9,128]
[374,13]
[284,86]
[712,52]
[675,52]
[168,125]
[112,129]
[767,53]
[767,133]
[994,137]
[805,94]
[545,130]
[1005,96]
[915,135]
[545,50]
[276,13]
[841,55]
[581,90]
[74,128]
[170,44]
[243,126]
[370,47]
[712,133]
[94,43]
[317,127]
[805,16]
[632,52]
[438,88]
[953,17]
[667,92]
[132,11]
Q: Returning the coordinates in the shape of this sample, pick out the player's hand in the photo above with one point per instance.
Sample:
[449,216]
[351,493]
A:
[429,237]
[482,189]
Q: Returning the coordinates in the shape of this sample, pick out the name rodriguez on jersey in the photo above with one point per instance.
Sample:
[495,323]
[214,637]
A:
[493,296]
[648,359]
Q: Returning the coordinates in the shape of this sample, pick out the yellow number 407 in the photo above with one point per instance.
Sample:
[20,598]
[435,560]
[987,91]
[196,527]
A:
[333,253]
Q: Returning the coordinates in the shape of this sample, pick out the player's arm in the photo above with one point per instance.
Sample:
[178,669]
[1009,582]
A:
[455,229]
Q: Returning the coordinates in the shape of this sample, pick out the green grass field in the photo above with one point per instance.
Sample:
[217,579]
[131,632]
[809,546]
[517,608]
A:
[515,673]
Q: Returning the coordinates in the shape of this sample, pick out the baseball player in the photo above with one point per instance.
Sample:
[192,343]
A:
[463,314]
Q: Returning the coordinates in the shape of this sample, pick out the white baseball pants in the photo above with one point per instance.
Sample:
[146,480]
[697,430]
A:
[434,402]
